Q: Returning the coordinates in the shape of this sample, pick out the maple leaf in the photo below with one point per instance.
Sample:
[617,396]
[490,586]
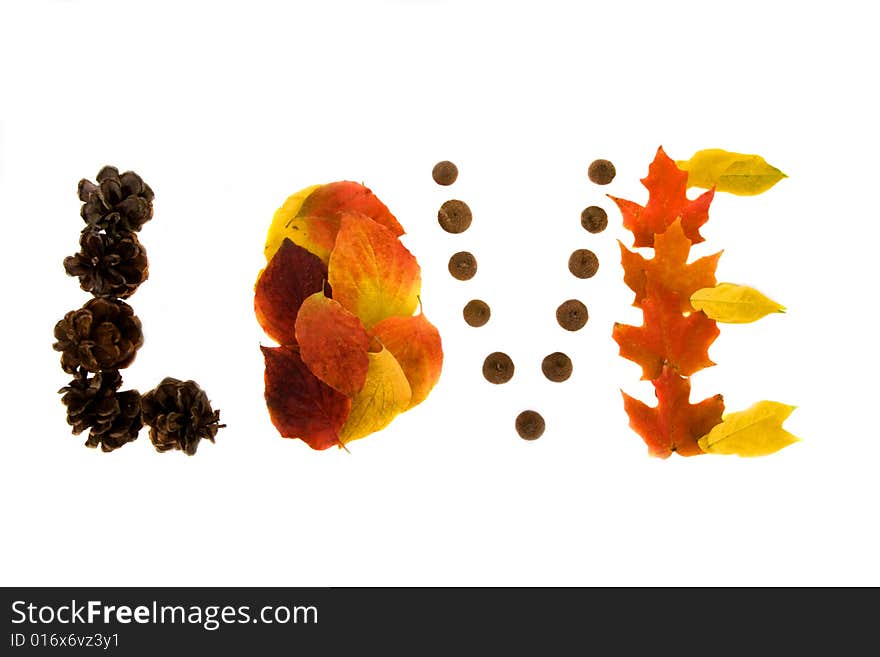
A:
[416,345]
[667,200]
[668,269]
[300,404]
[674,425]
[333,343]
[371,272]
[667,338]
[311,217]
[291,275]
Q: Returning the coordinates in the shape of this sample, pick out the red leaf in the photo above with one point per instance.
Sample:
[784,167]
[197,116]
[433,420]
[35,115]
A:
[333,344]
[667,201]
[346,196]
[668,270]
[300,404]
[674,425]
[416,345]
[667,337]
[292,275]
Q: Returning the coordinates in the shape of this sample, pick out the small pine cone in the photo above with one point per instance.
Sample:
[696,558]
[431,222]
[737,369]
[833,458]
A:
[114,418]
[108,265]
[104,334]
[118,203]
[179,415]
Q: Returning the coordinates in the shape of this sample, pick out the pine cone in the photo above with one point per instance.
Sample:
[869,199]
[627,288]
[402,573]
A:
[179,415]
[94,403]
[118,203]
[108,265]
[104,334]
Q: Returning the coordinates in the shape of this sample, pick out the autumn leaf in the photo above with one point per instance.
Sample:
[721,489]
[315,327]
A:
[311,217]
[756,431]
[667,200]
[668,269]
[386,394]
[301,405]
[667,338]
[291,275]
[415,344]
[734,304]
[333,343]
[674,425]
[372,274]
[736,173]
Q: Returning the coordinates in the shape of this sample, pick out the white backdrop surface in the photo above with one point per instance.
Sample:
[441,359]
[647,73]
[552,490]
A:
[227,108]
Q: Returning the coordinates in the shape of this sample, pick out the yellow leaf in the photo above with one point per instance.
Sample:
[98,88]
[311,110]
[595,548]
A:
[756,431]
[733,304]
[281,225]
[386,394]
[736,173]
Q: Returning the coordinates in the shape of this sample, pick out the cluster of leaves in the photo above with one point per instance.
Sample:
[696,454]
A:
[338,295]
[681,303]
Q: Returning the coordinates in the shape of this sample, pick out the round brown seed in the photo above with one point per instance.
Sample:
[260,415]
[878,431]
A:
[463,265]
[444,173]
[572,315]
[454,216]
[476,312]
[583,263]
[557,367]
[498,368]
[594,219]
[530,425]
[601,172]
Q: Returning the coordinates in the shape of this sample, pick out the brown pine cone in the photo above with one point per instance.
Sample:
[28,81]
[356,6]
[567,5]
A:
[179,415]
[114,418]
[108,265]
[104,334]
[118,203]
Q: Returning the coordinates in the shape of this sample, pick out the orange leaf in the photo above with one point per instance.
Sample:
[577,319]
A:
[667,337]
[372,274]
[291,275]
[301,405]
[667,200]
[415,343]
[668,269]
[674,425]
[311,218]
[333,343]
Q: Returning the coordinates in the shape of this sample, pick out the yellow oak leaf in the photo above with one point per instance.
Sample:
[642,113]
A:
[736,173]
[371,272]
[734,304]
[386,394]
[756,431]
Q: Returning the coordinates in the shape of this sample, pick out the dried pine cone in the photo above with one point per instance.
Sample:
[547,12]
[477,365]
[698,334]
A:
[179,415]
[94,403]
[108,265]
[118,203]
[104,334]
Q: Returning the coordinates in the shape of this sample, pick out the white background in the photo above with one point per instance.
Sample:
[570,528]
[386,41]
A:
[227,108]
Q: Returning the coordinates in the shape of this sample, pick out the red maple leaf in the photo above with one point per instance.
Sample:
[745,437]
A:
[668,270]
[667,201]
[667,338]
[674,425]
